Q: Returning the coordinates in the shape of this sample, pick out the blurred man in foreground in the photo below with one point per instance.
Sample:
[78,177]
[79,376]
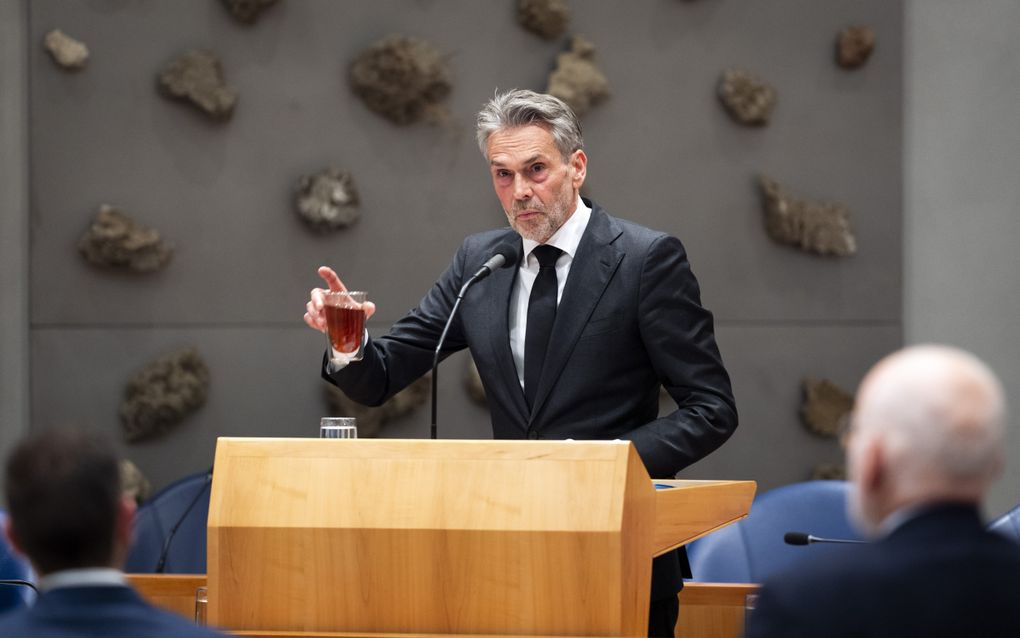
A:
[925,445]
[68,515]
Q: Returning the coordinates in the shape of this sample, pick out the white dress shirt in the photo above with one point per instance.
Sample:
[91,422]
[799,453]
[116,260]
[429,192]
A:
[567,239]
[89,577]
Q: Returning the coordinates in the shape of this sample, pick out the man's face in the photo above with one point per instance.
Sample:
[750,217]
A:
[537,189]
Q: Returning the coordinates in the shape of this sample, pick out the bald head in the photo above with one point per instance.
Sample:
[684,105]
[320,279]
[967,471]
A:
[928,426]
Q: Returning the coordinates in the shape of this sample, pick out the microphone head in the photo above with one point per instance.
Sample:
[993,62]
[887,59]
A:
[509,253]
[796,538]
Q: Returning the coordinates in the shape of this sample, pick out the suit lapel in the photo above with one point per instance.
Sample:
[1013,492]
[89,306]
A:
[501,283]
[590,272]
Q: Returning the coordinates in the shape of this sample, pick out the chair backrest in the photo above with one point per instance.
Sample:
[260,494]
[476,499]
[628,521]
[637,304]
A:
[13,567]
[753,549]
[1008,524]
[185,504]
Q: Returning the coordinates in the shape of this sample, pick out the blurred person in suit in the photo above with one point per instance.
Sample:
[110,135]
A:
[575,339]
[67,514]
[925,445]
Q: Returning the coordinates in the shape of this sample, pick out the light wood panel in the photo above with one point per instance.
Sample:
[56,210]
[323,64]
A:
[444,537]
[173,592]
[707,610]
[692,509]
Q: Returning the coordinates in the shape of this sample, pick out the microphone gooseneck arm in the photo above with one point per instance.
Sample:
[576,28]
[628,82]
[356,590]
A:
[165,552]
[502,259]
[17,582]
[800,538]
[442,340]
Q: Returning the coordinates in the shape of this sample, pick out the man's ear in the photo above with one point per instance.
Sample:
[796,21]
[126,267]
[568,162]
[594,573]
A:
[12,538]
[579,162]
[873,472]
[125,524]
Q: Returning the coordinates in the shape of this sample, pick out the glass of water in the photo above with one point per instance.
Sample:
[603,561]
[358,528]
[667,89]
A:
[338,427]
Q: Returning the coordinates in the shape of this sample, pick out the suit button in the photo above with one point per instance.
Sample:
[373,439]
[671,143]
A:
[533,435]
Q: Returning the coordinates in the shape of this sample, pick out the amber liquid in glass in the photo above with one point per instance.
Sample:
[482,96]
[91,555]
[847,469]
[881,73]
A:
[345,327]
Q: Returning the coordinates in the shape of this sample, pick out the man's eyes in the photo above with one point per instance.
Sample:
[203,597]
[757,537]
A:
[534,169]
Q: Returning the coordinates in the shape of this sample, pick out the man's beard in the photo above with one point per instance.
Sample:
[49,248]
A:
[547,222]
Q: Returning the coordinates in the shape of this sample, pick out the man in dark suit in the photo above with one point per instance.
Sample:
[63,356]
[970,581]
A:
[926,443]
[575,340]
[68,515]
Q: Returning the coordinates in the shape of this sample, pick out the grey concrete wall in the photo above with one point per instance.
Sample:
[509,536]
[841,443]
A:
[14,352]
[962,212]
[662,153]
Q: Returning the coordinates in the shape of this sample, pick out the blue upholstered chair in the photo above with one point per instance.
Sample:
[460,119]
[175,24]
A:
[184,504]
[12,567]
[1008,524]
[753,549]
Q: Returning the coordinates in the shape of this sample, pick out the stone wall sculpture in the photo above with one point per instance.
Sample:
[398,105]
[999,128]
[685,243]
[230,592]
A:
[825,408]
[115,240]
[328,200]
[817,227]
[163,394]
[747,99]
[403,79]
[854,46]
[67,52]
[197,77]
[576,80]
[371,420]
[247,11]
[545,18]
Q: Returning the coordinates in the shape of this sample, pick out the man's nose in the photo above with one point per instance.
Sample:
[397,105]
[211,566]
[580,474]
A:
[522,187]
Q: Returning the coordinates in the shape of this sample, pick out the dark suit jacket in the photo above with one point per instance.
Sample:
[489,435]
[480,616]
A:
[939,574]
[630,319]
[96,612]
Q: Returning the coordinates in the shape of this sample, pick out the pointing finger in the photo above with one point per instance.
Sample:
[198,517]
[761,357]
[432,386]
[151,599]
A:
[331,279]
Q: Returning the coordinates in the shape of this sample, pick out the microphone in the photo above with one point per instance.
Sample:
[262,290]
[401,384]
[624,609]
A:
[800,538]
[165,552]
[504,256]
[18,583]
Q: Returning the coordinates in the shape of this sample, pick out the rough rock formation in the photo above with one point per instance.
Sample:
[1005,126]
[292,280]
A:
[133,483]
[817,227]
[825,408]
[163,393]
[66,51]
[247,11]
[854,46]
[372,420]
[403,79]
[473,383]
[114,239]
[328,200]
[747,99]
[576,80]
[197,77]
[545,18]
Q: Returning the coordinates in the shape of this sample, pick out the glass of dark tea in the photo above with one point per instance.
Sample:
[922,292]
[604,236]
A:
[345,324]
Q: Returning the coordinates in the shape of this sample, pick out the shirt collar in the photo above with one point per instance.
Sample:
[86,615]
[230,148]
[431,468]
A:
[89,577]
[568,237]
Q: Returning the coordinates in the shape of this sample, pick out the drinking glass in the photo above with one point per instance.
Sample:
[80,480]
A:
[338,427]
[345,324]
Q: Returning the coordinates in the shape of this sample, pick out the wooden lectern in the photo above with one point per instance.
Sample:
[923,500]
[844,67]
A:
[446,537]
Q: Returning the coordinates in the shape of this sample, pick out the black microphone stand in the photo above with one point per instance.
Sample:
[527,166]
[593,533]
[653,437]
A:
[165,552]
[439,346]
[17,582]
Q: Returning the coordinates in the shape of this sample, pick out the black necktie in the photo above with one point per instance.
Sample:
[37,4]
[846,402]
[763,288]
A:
[541,315]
